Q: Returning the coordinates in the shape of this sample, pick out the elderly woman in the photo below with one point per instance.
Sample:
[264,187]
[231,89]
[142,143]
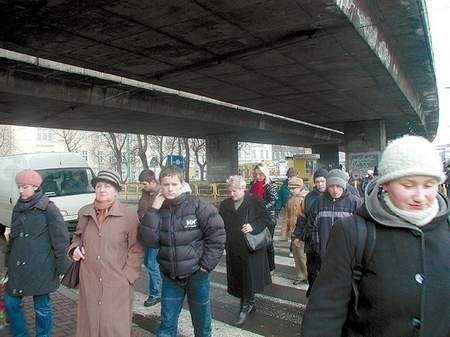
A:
[111,257]
[404,289]
[264,188]
[247,272]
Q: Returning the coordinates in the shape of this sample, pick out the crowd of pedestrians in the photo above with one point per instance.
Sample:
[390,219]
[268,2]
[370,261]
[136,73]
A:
[376,260]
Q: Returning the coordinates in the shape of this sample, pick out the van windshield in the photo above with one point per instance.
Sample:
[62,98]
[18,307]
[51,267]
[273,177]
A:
[66,181]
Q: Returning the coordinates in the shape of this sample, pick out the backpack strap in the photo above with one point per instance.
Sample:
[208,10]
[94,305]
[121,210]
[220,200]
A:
[365,245]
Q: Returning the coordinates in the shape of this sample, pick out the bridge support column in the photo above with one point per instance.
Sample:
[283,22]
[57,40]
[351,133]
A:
[221,156]
[329,155]
[364,142]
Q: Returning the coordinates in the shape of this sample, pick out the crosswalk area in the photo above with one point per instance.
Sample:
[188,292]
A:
[278,312]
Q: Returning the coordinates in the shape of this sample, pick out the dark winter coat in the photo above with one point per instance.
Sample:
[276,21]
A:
[189,232]
[283,195]
[405,291]
[37,251]
[247,272]
[270,200]
[324,214]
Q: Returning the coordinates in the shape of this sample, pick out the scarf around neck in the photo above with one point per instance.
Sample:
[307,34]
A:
[419,218]
[258,189]
[24,204]
[102,210]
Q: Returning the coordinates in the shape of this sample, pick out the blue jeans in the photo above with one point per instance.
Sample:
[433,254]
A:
[197,290]
[42,311]
[154,275]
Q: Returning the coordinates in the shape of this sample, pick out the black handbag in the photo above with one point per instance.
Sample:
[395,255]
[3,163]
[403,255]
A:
[71,278]
[258,241]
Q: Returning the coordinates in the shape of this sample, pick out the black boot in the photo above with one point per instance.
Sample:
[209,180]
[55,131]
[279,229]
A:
[247,307]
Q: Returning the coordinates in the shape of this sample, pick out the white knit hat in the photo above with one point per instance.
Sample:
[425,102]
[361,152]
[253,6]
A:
[409,156]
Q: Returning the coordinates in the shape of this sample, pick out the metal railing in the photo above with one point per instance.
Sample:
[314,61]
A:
[202,189]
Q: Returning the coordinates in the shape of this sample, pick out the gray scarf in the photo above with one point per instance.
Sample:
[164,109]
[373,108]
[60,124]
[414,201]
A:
[419,218]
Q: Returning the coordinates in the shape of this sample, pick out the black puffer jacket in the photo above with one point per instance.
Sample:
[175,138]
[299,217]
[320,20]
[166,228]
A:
[189,232]
[37,251]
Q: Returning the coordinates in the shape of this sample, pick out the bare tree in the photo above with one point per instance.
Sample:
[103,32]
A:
[6,140]
[187,157]
[142,146]
[198,146]
[163,146]
[116,142]
[71,138]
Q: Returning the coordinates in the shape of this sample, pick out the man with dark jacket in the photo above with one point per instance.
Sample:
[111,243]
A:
[334,204]
[36,255]
[191,237]
[312,259]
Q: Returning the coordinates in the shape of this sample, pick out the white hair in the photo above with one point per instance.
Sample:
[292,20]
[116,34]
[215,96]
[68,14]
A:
[236,181]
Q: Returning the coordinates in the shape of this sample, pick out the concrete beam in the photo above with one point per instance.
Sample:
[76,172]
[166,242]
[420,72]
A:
[73,102]
[366,22]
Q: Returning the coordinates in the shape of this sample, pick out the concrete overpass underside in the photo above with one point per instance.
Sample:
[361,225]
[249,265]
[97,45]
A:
[330,63]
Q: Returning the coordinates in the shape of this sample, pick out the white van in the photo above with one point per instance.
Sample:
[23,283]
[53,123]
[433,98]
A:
[66,180]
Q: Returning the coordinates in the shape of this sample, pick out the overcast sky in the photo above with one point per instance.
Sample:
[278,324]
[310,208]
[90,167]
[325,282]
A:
[439,18]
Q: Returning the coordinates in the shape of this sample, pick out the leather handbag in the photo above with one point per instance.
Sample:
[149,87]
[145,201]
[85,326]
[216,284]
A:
[258,241]
[71,278]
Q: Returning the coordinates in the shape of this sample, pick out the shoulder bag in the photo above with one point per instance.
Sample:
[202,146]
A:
[71,278]
[257,241]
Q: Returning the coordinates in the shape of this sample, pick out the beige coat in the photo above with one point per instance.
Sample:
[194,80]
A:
[108,272]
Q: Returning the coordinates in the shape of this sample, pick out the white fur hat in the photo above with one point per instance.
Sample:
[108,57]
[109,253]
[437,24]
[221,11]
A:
[409,156]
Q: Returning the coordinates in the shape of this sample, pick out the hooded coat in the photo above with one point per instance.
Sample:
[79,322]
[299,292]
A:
[405,290]
[107,274]
[37,251]
[247,272]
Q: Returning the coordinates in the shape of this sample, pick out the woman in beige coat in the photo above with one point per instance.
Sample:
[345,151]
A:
[111,257]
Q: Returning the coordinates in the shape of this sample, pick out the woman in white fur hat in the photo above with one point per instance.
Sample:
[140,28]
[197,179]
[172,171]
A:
[405,285]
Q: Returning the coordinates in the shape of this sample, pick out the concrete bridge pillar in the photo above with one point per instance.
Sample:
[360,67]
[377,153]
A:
[364,142]
[329,155]
[221,156]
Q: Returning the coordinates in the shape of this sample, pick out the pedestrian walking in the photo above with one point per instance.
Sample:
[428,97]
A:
[264,188]
[106,243]
[283,192]
[404,288]
[36,255]
[292,212]
[312,258]
[191,237]
[247,272]
[335,203]
[150,189]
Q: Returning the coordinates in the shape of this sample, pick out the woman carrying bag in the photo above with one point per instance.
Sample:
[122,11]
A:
[247,271]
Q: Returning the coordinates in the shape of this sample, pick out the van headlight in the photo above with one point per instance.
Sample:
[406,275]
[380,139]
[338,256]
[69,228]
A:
[63,212]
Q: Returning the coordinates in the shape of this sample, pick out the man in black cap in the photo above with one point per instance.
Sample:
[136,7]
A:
[335,203]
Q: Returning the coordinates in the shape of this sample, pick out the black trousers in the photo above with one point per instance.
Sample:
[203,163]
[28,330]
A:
[271,250]
[313,263]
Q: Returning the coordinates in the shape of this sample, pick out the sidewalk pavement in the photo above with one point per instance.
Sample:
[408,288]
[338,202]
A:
[64,305]
[64,315]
